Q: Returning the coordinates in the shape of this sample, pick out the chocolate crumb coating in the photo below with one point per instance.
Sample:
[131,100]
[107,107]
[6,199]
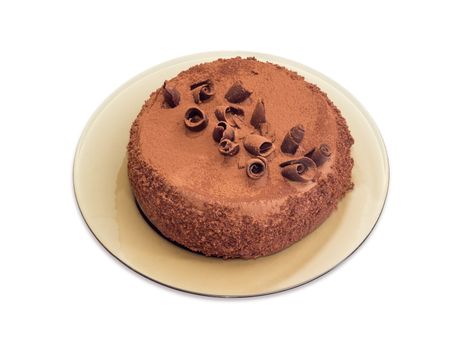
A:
[205,200]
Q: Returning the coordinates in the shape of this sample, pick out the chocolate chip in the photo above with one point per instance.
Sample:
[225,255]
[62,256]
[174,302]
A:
[228,148]
[170,95]
[259,115]
[202,91]
[256,168]
[293,139]
[223,131]
[195,119]
[258,145]
[237,93]
[319,155]
[300,170]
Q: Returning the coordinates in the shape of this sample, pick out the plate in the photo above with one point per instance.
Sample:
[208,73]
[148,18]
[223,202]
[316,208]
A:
[105,199]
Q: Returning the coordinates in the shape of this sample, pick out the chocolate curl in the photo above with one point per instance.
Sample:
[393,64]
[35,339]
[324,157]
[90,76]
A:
[237,93]
[238,120]
[195,119]
[223,131]
[266,130]
[202,91]
[293,139]
[230,115]
[200,83]
[228,148]
[299,170]
[319,155]
[259,115]
[305,161]
[171,96]
[256,168]
[258,145]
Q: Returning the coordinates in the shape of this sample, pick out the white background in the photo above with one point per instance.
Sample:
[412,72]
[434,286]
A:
[406,287]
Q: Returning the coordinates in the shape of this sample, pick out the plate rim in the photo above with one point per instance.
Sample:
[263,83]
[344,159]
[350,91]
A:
[224,54]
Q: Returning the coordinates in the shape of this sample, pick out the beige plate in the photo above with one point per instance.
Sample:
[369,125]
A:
[105,200]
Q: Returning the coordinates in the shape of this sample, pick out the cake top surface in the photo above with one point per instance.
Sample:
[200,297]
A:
[190,159]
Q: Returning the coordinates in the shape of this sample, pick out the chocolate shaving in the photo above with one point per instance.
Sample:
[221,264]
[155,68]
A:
[171,96]
[239,121]
[300,170]
[266,130]
[259,115]
[305,161]
[229,114]
[258,145]
[319,155]
[237,93]
[293,139]
[228,148]
[293,172]
[195,119]
[200,83]
[223,131]
[241,163]
[256,168]
[202,91]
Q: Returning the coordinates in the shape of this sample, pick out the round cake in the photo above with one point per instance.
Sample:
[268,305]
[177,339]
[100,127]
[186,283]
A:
[238,158]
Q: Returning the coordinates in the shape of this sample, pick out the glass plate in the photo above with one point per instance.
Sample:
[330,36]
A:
[105,200]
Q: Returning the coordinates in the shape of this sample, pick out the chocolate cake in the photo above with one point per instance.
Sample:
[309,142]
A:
[239,158]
